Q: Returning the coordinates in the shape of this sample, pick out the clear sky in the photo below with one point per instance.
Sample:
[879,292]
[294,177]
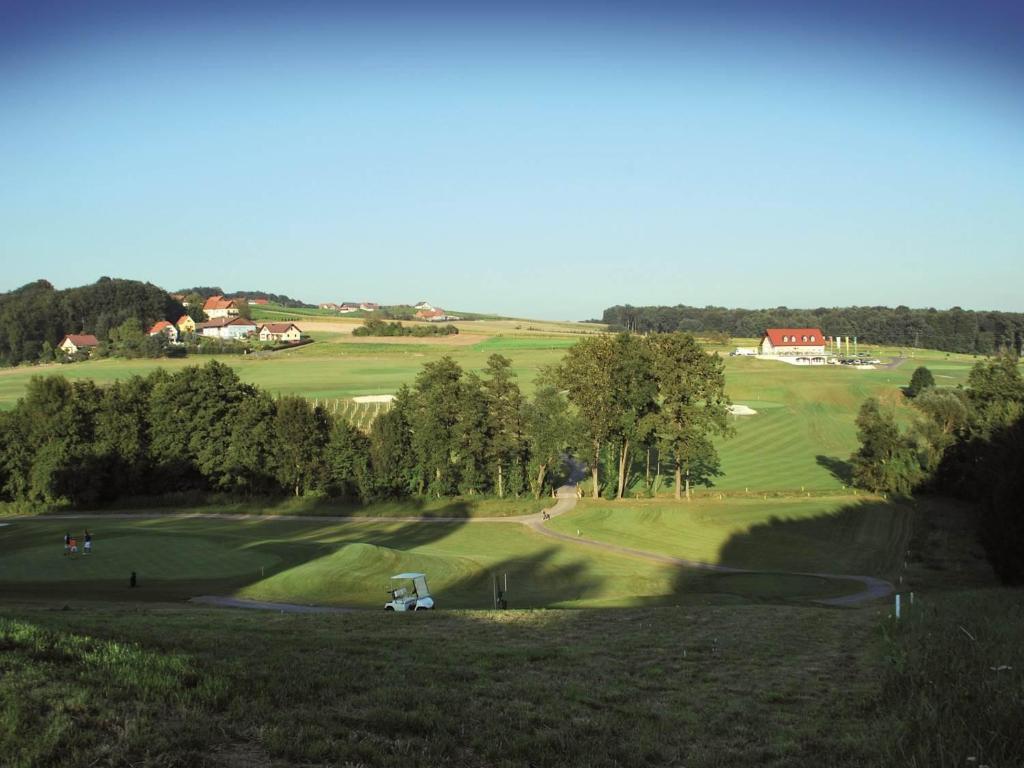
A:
[541,160]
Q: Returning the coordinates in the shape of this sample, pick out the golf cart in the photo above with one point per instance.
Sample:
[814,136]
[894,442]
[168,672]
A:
[404,598]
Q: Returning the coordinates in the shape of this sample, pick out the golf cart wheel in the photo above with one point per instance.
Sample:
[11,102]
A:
[389,608]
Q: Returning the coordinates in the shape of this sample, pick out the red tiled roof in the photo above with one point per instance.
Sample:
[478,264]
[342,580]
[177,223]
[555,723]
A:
[427,313]
[280,327]
[81,339]
[219,322]
[160,326]
[261,301]
[218,302]
[795,337]
[182,319]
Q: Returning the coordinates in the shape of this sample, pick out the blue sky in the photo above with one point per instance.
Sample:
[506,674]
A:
[534,160]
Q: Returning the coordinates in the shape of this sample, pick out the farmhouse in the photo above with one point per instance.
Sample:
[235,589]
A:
[280,332]
[186,324]
[807,345]
[423,305]
[218,306]
[260,302]
[164,327]
[227,328]
[347,308]
[431,315]
[74,342]
[330,305]
[369,306]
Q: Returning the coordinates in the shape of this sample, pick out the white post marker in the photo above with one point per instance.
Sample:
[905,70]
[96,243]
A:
[897,606]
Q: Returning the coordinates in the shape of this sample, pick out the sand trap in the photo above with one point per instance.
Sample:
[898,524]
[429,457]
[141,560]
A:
[742,410]
[864,367]
[373,399]
[3,524]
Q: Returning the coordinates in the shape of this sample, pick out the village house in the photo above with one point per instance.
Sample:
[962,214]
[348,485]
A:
[186,324]
[76,342]
[260,302]
[280,332]
[164,327]
[346,308]
[806,345]
[435,316]
[227,328]
[423,305]
[330,305]
[218,306]
[369,306]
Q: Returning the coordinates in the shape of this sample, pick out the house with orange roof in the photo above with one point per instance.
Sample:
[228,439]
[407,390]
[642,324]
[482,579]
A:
[186,324]
[218,306]
[165,328]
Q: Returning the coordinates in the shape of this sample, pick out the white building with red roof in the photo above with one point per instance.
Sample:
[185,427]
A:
[280,332]
[227,328]
[76,342]
[166,328]
[218,306]
[794,342]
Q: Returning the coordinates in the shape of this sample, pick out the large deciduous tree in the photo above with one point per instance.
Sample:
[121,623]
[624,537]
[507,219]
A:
[302,431]
[551,429]
[587,374]
[434,419]
[886,460]
[693,405]
[505,415]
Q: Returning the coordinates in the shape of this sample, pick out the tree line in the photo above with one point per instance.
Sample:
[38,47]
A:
[35,317]
[452,432]
[964,442]
[375,326]
[205,291]
[950,330]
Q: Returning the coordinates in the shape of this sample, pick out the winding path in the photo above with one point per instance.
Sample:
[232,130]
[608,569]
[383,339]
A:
[874,588]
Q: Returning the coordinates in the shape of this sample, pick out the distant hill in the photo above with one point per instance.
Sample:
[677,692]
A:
[37,313]
[949,330]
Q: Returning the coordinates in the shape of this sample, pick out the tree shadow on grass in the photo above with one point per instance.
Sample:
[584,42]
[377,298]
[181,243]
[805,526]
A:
[867,538]
[841,470]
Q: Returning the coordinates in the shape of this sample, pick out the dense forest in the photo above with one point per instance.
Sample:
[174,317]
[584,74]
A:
[950,330]
[35,317]
[963,442]
[277,298]
[451,433]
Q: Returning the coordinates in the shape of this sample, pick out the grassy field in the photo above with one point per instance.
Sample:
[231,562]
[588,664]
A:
[348,563]
[101,683]
[829,535]
[682,666]
[550,688]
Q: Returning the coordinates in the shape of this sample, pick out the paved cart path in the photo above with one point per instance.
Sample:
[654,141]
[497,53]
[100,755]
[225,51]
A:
[567,495]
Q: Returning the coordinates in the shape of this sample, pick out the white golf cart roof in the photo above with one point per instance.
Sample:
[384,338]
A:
[408,575]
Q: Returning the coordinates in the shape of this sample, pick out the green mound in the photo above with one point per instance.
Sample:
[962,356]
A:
[357,574]
[152,557]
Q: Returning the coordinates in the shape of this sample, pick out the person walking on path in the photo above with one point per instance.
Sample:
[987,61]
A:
[88,542]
